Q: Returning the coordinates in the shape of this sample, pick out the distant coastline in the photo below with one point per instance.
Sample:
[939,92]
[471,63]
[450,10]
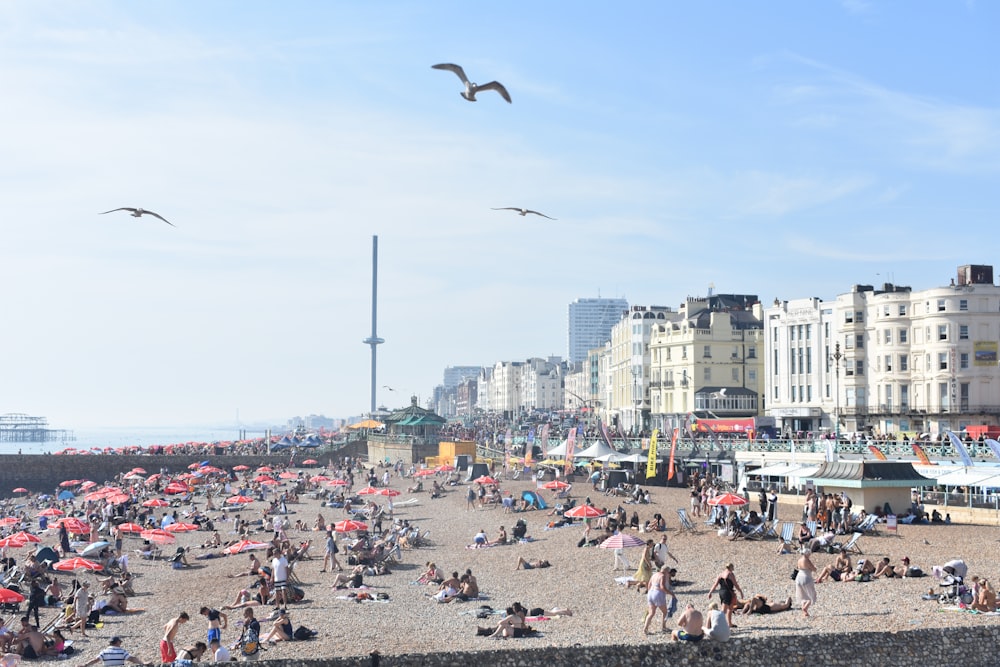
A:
[124,436]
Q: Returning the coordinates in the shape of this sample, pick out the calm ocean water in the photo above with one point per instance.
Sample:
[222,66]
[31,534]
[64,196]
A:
[142,436]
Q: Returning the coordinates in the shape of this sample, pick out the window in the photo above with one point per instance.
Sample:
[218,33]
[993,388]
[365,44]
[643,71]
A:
[943,332]
[809,393]
[848,317]
[826,390]
[752,352]
[802,367]
[859,341]
[902,310]
[736,374]
[963,332]
[774,335]
[775,364]
[809,360]
[809,331]
[887,336]
[888,397]
[684,351]
[885,310]
[859,367]
[859,316]
[963,304]
[708,352]
[751,376]
[793,393]
[904,396]
[902,336]
[943,361]
[963,360]
[903,362]
[940,305]
[888,363]
[708,373]
[791,361]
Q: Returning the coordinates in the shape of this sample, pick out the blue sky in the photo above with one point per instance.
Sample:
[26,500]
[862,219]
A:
[785,149]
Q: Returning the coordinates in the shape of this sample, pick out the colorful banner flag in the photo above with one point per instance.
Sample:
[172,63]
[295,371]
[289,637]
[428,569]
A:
[508,440]
[529,448]
[994,446]
[921,454]
[877,453]
[673,451]
[605,435]
[570,450]
[651,462]
[545,441]
[959,446]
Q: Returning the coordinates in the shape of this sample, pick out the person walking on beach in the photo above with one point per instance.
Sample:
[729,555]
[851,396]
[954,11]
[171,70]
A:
[217,622]
[330,555]
[470,499]
[727,584]
[656,596]
[805,587]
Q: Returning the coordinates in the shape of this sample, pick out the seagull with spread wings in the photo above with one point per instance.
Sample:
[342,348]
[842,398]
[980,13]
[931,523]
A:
[472,88]
[139,212]
[522,211]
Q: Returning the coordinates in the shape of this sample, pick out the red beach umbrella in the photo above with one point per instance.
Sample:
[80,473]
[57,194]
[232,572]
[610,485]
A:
[26,537]
[349,525]
[158,536]
[20,489]
[141,471]
[310,462]
[181,527]
[9,521]
[88,485]
[447,467]
[270,482]
[156,502]
[69,482]
[129,527]
[583,512]
[424,473]
[263,478]
[368,491]
[238,500]
[265,469]
[52,511]
[245,545]
[555,485]
[315,479]
[728,499]
[193,466]
[485,479]
[175,488]
[11,543]
[72,564]
[337,482]
[74,525]
[241,468]
[392,493]
[288,475]
[8,596]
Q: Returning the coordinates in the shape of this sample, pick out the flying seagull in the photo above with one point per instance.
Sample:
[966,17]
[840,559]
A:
[522,211]
[137,212]
[471,88]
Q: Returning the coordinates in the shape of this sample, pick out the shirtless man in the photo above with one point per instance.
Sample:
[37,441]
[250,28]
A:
[531,564]
[217,621]
[254,568]
[838,571]
[689,626]
[167,651]
[884,569]
[32,641]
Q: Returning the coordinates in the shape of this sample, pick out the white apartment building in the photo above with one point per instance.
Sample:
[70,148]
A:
[887,360]
[513,387]
[628,403]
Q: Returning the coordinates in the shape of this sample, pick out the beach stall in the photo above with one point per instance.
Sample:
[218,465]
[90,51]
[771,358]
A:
[871,484]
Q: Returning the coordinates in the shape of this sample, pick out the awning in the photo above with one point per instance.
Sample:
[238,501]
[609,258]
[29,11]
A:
[972,477]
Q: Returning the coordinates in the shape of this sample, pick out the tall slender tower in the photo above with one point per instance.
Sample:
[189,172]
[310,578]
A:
[374,341]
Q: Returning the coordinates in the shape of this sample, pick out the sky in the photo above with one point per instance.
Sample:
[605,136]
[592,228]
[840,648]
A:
[785,149]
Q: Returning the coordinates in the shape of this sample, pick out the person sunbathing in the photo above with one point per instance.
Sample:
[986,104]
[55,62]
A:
[281,631]
[511,625]
[248,597]
[531,564]
[759,604]
[838,570]
[352,579]
[884,569]
[449,588]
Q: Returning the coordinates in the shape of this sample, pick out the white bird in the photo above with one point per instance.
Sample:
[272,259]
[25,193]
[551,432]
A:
[138,212]
[522,211]
[471,88]
[719,394]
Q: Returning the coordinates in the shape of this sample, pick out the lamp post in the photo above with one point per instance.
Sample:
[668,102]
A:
[637,397]
[836,356]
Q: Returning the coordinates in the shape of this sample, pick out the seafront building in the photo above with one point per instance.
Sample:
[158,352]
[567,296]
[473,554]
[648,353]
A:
[887,360]
[626,400]
[589,324]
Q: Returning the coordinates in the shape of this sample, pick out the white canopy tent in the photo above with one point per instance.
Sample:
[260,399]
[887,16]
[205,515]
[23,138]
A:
[596,450]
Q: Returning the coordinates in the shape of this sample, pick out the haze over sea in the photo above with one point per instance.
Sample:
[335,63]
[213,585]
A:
[143,436]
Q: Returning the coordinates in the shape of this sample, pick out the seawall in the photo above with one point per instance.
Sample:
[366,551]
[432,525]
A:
[974,647]
[42,473]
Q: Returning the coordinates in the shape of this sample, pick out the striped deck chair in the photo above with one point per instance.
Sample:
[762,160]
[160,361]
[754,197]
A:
[787,533]
[811,525]
[686,525]
[852,545]
[771,530]
[869,525]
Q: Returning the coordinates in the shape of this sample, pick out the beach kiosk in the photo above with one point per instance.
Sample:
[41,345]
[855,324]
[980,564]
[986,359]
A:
[870,484]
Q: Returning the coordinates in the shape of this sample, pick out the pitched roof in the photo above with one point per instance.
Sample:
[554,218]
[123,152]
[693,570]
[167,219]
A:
[867,474]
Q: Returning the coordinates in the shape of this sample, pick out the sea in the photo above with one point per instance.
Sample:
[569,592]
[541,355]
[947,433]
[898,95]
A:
[142,436]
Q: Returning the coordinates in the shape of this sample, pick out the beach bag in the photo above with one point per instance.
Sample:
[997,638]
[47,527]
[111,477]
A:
[250,641]
[302,632]
[795,574]
[297,594]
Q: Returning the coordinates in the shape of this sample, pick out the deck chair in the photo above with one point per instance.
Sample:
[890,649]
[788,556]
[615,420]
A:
[758,532]
[852,545]
[686,525]
[787,533]
[869,525]
[771,531]
[811,525]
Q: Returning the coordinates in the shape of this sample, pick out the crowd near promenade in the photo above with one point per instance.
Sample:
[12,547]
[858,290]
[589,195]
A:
[440,565]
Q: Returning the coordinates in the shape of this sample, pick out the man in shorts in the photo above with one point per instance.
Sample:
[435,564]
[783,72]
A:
[167,651]
[531,564]
[689,626]
[216,622]
[279,578]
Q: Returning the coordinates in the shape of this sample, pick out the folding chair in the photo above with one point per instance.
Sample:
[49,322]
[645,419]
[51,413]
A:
[758,532]
[852,545]
[787,532]
[686,524]
[811,525]
[771,529]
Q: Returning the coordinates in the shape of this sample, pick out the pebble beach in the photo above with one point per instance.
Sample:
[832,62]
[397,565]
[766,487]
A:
[581,579]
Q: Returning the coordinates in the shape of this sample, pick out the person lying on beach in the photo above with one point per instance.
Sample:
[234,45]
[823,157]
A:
[864,570]
[759,604]
[885,569]
[531,564]
[213,542]
[249,597]
[352,579]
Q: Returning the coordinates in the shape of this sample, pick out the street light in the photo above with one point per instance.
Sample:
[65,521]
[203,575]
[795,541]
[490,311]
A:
[637,397]
[836,356]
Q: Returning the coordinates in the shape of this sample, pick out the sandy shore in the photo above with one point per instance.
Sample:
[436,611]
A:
[580,579]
